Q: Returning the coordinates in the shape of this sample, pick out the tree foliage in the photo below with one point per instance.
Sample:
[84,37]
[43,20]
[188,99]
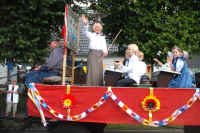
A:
[27,25]
[155,25]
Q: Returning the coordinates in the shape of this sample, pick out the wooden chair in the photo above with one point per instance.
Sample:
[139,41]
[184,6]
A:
[58,79]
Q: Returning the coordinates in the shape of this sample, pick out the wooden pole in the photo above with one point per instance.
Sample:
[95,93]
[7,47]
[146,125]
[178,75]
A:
[64,69]
[115,39]
[73,65]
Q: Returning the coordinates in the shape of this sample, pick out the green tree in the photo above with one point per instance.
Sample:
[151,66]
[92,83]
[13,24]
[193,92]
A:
[155,25]
[27,25]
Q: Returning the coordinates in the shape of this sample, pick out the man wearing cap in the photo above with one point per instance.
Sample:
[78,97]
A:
[52,66]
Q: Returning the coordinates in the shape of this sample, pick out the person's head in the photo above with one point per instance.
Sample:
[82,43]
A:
[53,44]
[141,55]
[133,49]
[13,82]
[97,28]
[127,54]
[176,51]
[185,54]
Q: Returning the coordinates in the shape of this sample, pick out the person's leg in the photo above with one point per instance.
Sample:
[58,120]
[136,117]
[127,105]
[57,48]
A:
[44,74]
[32,77]
[37,76]
[8,109]
[14,109]
[124,82]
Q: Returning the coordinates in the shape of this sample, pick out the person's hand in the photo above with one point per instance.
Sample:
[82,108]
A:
[37,68]
[121,61]
[85,20]
[155,59]
[169,60]
[117,63]
[105,53]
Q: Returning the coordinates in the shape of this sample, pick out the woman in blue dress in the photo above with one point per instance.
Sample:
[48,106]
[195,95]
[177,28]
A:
[179,64]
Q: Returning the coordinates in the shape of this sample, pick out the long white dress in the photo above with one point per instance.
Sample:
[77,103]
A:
[14,95]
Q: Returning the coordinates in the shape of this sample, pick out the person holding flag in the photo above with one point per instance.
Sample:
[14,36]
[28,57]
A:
[97,50]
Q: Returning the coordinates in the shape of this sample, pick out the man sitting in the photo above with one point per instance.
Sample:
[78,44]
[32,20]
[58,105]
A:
[52,66]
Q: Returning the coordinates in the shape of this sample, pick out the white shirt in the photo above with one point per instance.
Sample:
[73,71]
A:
[96,41]
[135,68]
[15,95]
[179,65]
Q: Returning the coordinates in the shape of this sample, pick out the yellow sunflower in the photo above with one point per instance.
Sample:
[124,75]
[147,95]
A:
[151,103]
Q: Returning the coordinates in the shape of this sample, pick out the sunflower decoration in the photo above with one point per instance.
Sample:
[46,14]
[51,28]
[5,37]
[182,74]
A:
[68,100]
[151,103]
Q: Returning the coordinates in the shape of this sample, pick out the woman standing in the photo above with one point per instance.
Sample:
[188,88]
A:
[97,50]
[179,64]
[12,98]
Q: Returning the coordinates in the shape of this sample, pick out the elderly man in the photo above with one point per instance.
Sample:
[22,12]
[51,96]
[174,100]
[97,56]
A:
[52,66]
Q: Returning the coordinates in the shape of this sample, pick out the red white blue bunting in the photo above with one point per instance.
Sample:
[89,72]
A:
[42,104]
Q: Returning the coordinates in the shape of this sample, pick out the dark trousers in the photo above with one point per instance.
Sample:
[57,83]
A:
[125,82]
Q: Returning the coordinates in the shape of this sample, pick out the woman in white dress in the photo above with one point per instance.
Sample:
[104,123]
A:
[12,98]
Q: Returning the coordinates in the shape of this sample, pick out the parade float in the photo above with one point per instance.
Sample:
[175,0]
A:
[116,105]
[151,106]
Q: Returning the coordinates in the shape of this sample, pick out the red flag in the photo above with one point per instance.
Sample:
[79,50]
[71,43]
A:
[64,33]
[64,29]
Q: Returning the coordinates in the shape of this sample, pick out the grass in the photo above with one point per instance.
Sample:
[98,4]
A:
[139,127]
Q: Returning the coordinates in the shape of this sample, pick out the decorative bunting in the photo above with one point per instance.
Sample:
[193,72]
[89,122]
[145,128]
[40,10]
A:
[152,106]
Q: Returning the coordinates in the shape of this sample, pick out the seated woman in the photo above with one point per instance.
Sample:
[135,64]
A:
[179,64]
[135,68]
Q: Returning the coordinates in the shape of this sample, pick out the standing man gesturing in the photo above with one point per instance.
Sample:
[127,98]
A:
[97,50]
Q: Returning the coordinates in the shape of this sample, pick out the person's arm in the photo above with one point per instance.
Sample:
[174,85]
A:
[169,61]
[16,91]
[54,59]
[126,69]
[104,47]
[85,27]
[8,89]
[85,20]
[143,68]
[179,65]
[159,62]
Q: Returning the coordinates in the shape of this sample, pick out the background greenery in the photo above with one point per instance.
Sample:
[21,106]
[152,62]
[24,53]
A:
[27,26]
[155,25]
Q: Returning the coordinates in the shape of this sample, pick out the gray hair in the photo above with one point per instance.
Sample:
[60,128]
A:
[185,54]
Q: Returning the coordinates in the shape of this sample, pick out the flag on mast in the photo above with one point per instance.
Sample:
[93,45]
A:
[64,29]
[64,33]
